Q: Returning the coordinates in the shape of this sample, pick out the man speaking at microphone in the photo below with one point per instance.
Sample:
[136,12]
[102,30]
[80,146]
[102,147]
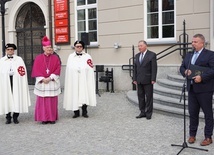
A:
[200,88]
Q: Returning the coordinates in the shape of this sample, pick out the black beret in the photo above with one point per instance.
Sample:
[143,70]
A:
[10,45]
[80,42]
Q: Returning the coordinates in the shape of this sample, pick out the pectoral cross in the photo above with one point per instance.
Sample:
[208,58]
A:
[47,70]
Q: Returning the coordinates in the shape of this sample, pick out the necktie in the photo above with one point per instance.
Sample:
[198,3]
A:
[194,58]
[9,57]
[141,58]
[79,54]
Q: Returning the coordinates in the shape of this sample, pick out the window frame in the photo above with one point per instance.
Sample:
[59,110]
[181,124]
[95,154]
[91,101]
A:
[159,40]
[85,7]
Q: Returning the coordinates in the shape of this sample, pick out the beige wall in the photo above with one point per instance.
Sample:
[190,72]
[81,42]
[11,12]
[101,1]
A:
[119,22]
[122,22]
[196,13]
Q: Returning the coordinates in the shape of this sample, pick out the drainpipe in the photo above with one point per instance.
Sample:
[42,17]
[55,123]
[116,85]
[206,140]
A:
[50,21]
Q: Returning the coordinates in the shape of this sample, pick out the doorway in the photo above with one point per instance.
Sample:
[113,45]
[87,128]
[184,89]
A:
[30,29]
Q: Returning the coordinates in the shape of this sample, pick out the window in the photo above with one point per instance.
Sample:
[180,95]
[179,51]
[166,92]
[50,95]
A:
[87,19]
[160,20]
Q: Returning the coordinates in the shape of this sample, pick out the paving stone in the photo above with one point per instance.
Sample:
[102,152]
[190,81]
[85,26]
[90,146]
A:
[111,129]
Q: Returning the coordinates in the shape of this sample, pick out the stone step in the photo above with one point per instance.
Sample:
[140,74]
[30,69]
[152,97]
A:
[173,93]
[167,96]
[169,101]
[170,84]
[176,77]
[166,109]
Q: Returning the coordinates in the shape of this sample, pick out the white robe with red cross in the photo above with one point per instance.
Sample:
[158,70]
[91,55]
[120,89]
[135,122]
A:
[17,100]
[79,82]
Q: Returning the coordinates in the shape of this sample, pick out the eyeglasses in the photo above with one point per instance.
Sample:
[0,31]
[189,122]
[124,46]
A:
[10,49]
[78,46]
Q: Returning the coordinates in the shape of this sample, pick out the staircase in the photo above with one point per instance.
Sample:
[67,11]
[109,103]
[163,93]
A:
[168,96]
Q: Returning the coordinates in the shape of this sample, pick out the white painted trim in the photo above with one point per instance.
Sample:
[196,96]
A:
[159,27]
[85,7]
[75,19]
[13,12]
[145,19]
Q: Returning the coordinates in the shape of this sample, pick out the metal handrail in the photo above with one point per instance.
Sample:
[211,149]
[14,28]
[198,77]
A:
[172,47]
[183,47]
[130,66]
[179,48]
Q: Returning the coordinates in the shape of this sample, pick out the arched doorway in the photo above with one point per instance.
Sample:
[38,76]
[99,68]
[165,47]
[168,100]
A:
[30,29]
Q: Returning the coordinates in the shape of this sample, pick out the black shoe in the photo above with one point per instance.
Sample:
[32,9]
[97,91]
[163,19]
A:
[44,122]
[52,122]
[148,117]
[75,116]
[141,116]
[8,121]
[84,111]
[15,121]
[76,113]
[85,115]
[8,118]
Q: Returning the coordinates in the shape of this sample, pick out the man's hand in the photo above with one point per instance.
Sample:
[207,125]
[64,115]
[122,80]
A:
[187,72]
[135,82]
[197,79]
[46,80]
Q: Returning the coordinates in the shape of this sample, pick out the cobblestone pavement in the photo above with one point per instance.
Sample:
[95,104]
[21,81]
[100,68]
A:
[111,129]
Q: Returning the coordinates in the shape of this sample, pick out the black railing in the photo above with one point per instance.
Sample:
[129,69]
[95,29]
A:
[130,67]
[181,45]
[170,50]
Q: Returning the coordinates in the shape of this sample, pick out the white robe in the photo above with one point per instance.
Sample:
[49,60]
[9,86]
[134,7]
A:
[47,90]
[79,82]
[19,100]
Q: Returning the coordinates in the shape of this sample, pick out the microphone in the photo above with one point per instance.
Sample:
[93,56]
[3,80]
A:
[190,58]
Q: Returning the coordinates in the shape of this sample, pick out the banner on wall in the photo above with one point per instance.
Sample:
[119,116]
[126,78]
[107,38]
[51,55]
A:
[61,22]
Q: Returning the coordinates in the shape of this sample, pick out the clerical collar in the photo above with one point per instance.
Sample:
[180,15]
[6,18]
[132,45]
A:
[10,56]
[78,54]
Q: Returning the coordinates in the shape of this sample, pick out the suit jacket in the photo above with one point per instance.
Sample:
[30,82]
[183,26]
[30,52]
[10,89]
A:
[147,71]
[205,59]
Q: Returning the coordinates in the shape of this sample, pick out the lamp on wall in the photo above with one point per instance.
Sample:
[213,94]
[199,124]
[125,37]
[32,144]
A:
[3,10]
[116,45]
[56,48]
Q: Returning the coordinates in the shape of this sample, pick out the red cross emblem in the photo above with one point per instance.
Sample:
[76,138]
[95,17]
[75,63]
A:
[90,63]
[21,70]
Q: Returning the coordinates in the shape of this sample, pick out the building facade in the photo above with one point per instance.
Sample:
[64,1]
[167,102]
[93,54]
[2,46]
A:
[112,27]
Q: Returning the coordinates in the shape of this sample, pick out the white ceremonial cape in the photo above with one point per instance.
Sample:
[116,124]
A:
[19,100]
[79,82]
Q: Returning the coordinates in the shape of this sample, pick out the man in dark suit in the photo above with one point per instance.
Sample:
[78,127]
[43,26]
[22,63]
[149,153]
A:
[145,72]
[200,88]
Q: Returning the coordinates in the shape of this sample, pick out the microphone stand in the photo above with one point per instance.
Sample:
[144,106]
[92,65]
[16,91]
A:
[183,94]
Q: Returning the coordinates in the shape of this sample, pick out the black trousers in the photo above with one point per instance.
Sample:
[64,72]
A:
[197,101]
[15,115]
[145,98]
